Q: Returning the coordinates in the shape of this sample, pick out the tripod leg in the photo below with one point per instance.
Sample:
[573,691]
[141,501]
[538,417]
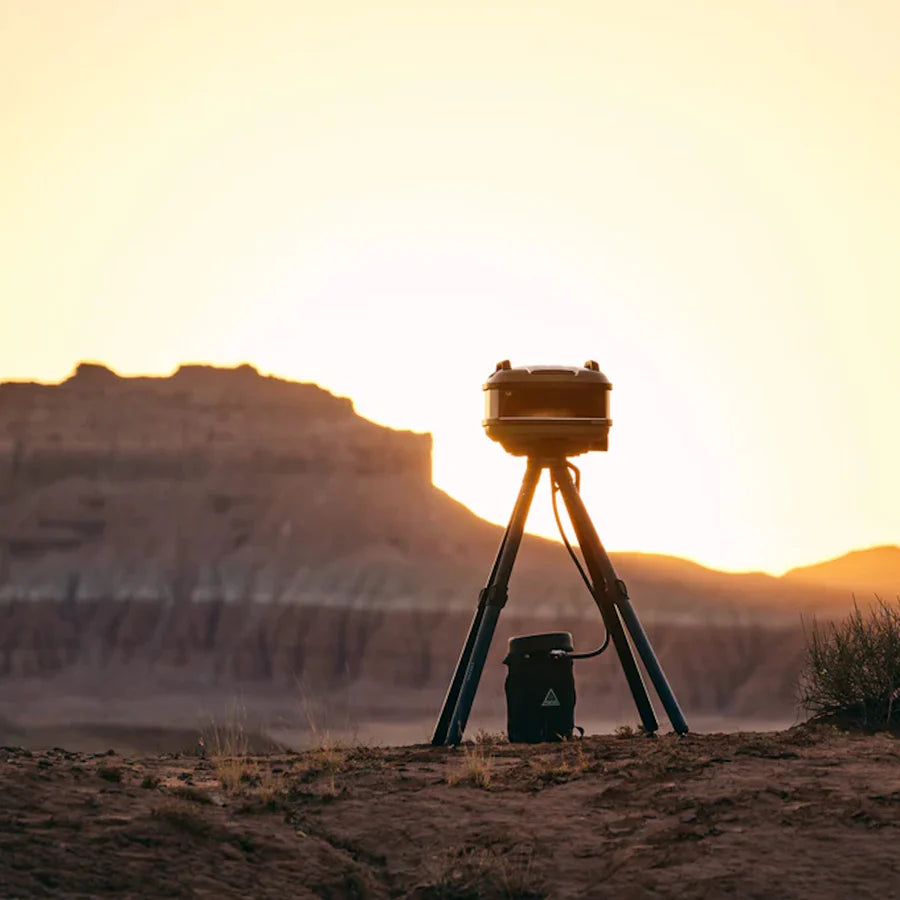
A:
[648,657]
[593,551]
[491,601]
[443,723]
[439,737]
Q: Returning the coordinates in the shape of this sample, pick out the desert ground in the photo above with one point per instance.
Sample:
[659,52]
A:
[806,812]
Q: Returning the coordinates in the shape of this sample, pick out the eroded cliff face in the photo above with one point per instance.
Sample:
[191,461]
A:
[401,658]
[161,486]
[200,421]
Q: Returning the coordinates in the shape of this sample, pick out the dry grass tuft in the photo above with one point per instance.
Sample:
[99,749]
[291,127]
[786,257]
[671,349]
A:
[234,772]
[230,738]
[569,762]
[271,786]
[327,759]
[624,732]
[491,738]
[327,755]
[228,747]
[476,767]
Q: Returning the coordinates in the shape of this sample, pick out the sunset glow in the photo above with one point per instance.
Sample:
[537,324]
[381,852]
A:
[388,200]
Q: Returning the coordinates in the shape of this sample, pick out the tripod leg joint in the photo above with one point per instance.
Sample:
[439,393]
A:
[494,595]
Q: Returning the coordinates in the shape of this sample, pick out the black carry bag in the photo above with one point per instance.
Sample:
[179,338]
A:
[540,688]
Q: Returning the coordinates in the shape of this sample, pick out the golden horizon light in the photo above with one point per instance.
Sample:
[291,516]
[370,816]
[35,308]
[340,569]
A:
[387,200]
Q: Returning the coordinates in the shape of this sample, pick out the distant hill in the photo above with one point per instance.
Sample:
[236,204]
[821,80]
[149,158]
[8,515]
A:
[866,572]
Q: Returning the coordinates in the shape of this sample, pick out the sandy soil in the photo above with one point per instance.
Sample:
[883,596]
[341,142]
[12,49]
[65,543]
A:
[809,812]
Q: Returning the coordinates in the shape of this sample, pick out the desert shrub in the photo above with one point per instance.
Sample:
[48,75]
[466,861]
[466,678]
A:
[851,673]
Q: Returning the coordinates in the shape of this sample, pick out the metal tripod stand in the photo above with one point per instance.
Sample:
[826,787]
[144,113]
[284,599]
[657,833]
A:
[609,593]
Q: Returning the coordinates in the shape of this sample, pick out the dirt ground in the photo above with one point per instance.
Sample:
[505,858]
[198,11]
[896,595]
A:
[808,812]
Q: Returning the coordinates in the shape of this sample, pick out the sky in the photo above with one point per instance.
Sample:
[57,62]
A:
[387,199]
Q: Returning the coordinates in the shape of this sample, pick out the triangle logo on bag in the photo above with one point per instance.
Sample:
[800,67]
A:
[551,699]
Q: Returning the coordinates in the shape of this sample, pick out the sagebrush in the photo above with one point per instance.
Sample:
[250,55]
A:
[851,673]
